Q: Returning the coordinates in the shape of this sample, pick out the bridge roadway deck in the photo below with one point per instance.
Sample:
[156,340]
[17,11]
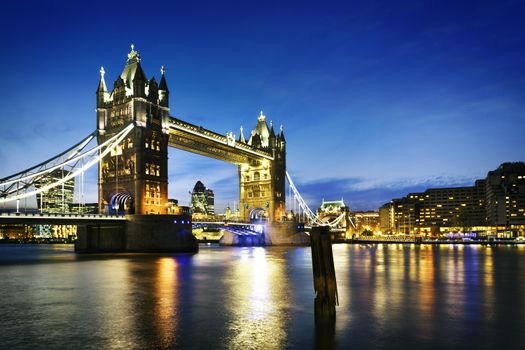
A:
[59,219]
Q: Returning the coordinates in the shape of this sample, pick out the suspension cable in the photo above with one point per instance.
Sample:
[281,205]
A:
[109,145]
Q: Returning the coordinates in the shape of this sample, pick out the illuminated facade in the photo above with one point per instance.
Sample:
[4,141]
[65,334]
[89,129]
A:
[331,210]
[493,204]
[202,202]
[505,195]
[56,200]
[261,181]
[134,178]
[365,220]
[210,202]
[426,212]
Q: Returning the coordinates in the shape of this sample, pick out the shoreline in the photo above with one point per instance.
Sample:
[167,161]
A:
[477,242]
[347,241]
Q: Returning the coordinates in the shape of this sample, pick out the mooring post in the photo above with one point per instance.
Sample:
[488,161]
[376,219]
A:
[325,284]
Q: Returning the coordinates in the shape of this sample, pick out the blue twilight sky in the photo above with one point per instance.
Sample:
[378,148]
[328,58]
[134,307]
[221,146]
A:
[378,98]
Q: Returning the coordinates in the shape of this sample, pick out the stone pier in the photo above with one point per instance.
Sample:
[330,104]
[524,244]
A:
[139,233]
[284,234]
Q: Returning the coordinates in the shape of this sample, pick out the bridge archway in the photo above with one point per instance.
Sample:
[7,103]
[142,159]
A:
[121,203]
[258,214]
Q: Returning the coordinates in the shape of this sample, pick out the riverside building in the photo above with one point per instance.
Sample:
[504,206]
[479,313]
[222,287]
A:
[494,205]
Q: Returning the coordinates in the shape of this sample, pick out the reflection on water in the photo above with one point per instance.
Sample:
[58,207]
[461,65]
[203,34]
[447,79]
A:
[257,289]
[166,300]
[391,296]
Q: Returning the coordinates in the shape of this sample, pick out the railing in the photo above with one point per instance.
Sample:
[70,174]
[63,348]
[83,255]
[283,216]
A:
[62,216]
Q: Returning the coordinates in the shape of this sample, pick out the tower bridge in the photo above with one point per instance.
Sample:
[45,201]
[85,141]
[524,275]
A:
[134,131]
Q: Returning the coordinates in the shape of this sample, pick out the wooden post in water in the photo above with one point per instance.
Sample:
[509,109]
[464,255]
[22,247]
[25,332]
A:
[325,285]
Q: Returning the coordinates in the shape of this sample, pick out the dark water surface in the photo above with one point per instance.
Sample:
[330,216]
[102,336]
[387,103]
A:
[391,297]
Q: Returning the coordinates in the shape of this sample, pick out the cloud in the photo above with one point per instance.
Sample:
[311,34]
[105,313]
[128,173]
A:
[369,194]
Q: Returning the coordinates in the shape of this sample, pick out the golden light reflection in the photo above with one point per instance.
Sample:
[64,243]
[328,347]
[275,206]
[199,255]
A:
[166,301]
[381,296]
[427,289]
[343,274]
[118,327]
[488,283]
[258,291]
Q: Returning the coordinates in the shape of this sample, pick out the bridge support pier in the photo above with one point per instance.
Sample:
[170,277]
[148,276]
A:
[140,233]
[285,233]
[277,233]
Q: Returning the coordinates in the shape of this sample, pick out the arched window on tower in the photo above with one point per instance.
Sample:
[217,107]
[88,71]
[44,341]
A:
[256,176]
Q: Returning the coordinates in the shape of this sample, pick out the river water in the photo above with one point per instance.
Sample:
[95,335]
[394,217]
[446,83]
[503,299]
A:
[391,297]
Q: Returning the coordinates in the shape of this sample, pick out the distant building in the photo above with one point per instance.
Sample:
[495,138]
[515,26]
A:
[58,199]
[365,220]
[173,206]
[427,212]
[83,208]
[210,202]
[202,202]
[332,210]
[505,195]
[493,204]
[175,209]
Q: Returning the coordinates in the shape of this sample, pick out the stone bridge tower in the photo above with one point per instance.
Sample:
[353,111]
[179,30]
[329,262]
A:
[261,181]
[134,178]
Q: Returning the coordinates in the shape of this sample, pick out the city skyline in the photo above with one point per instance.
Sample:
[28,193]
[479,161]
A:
[384,107]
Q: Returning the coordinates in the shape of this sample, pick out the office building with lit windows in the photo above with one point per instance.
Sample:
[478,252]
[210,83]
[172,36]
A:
[56,200]
[202,202]
[494,204]
[505,195]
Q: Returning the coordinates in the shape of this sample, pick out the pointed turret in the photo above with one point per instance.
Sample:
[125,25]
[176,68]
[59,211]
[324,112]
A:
[164,92]
[102,90]
[281,134]
[153,91]
[102,84]
[272,138]
[139,82]
[241,135]
[262,132]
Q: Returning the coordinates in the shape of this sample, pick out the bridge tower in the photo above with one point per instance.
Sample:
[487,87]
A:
[261,181]
[134,178]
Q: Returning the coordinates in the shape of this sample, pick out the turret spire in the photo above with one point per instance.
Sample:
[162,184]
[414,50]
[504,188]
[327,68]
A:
[164,92]
[133,56]
[241,136]
[281,134]
[102,90]
[102,84]
[163,85]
